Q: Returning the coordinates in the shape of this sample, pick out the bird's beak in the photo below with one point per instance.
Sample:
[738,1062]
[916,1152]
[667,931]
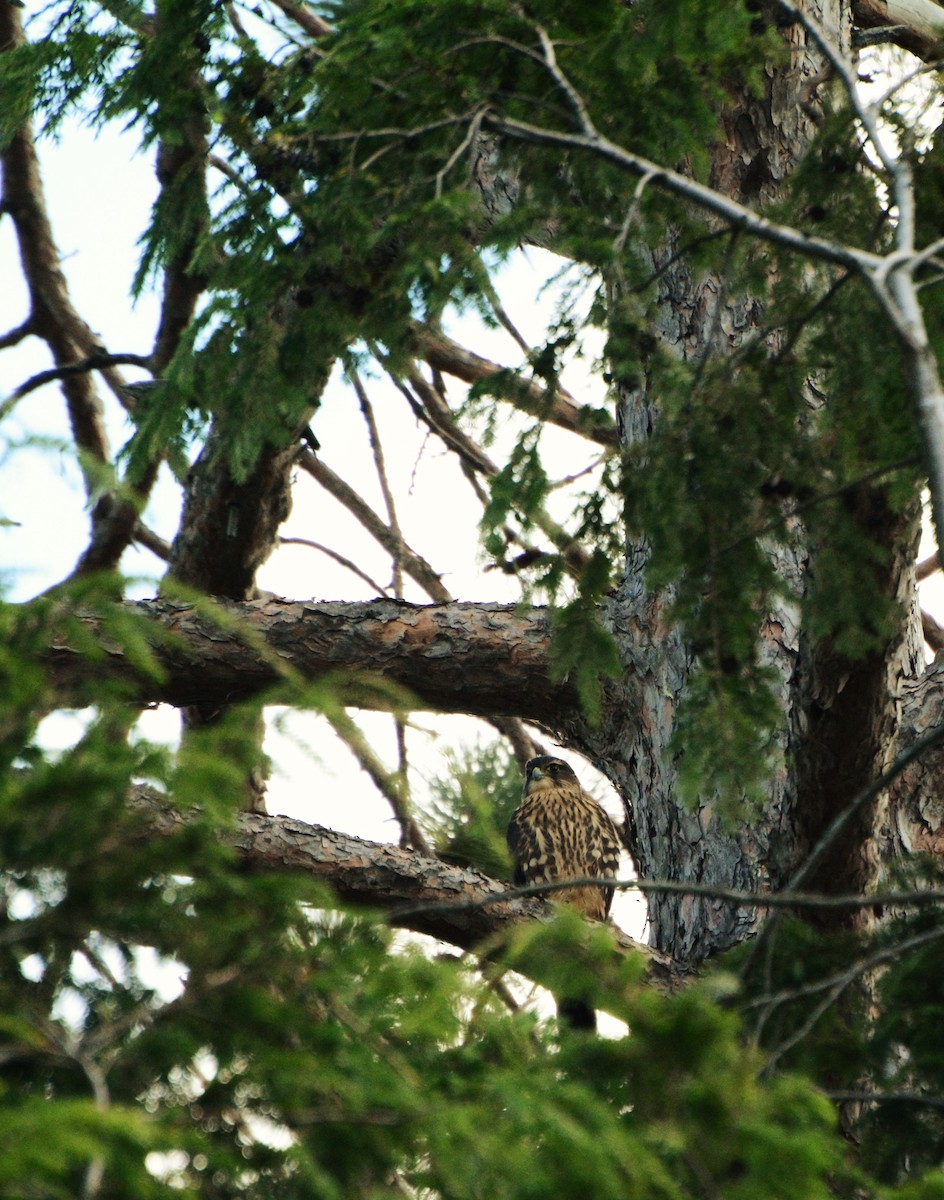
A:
[537,773]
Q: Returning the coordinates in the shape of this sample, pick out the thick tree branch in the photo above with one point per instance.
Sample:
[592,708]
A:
[54,319]
[483,659]
[181,168]
[454,904]
[916,25]
[52,315]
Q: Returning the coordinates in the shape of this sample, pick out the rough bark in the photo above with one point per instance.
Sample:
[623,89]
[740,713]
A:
[834,744]
[914,818]
[483,659]
[850,714]
[229,527]
[457,905]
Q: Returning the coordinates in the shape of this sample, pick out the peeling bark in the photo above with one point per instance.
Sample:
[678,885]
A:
[484,659]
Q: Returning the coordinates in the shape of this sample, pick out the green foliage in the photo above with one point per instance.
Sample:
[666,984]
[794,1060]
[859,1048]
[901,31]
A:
[243,1030]
[584,652]
[186,1027]
[471,805]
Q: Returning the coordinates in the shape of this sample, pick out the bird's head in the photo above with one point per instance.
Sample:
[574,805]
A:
[548,772]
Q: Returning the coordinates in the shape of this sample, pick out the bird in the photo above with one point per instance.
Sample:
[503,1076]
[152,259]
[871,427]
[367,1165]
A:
[558,832]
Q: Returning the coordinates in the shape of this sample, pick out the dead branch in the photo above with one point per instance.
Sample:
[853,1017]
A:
[413,564]
[558,407]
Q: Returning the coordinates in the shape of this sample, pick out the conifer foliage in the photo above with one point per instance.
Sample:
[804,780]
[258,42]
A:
[702,581]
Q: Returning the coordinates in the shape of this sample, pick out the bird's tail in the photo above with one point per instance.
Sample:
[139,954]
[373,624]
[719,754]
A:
[577,1014]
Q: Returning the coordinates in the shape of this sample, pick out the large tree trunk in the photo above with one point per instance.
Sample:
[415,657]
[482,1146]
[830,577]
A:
[835,739]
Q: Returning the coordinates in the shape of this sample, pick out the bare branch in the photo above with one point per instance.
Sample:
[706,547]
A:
[304,18]
[391,785]
[559,407]
[414,565]
[441,418]
[13,337]
[376,448]
[932,632]
[52,315]
[916,25]
[927,567]
[574,99]
[468,139]
[151,541]
[738,216]
[866,1097]
[338,558]
[95,362]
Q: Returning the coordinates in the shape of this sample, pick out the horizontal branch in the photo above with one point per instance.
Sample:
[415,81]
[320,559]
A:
[483,659]
[737,215]
[423,894]
[94,362]
[901,898]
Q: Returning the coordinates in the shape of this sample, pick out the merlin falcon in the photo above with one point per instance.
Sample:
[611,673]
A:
[557,833]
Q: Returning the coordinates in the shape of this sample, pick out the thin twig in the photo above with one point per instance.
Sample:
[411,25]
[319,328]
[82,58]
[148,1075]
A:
[739,899]
[376,448]
[338,558]
[391,785]
[471,134]
[864,1097]
[94,362]
[414,564]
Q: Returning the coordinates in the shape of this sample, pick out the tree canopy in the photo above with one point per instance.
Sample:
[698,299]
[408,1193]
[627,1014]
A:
[696,495]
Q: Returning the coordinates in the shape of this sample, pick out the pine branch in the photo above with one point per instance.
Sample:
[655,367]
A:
[413,889]
[488,660]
